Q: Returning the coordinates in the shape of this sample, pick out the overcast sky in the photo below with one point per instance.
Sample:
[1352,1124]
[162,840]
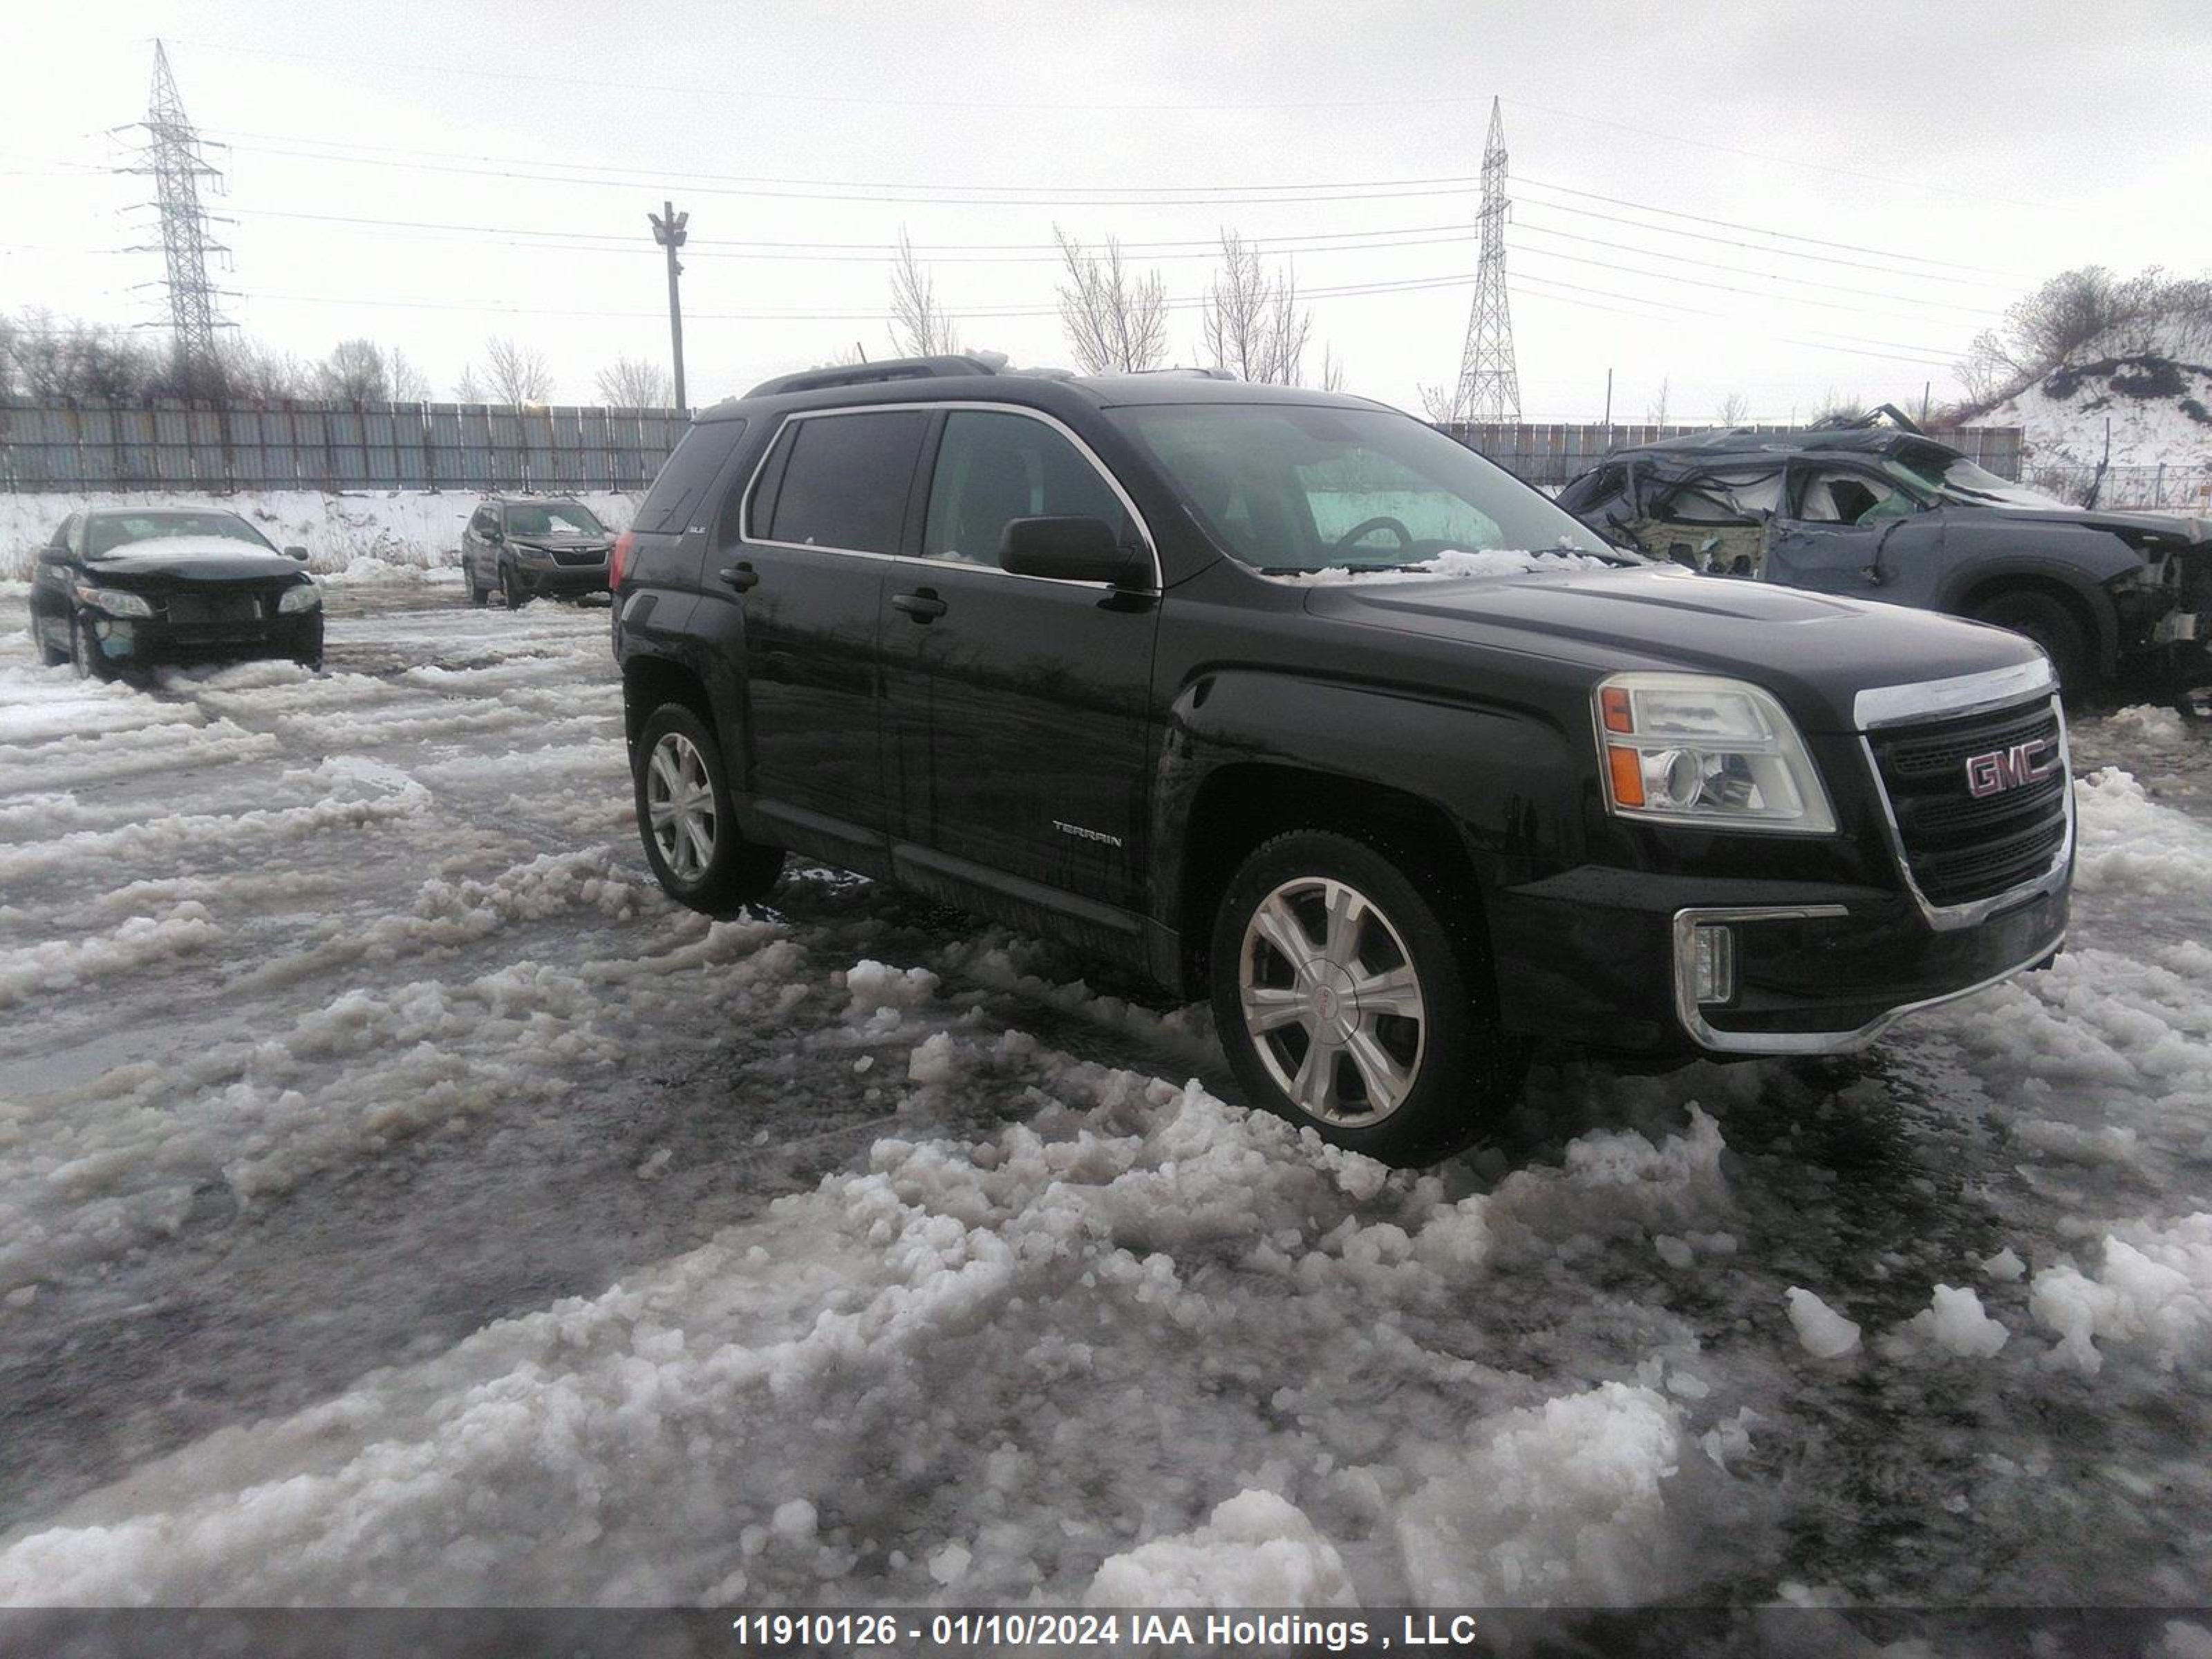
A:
[485,169]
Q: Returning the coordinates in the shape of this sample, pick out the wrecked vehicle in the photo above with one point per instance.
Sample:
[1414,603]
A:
[1884,511]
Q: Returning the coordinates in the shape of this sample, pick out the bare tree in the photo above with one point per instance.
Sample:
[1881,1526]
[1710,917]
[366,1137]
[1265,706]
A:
[1655,414]
[263,374]
[1332,370]
[1440,403]
[1116,322]
[50,358]
[634,383]
[408,383]
[1253,324]
[515,373]
[919,326]
[1734,409]
[1839,406]
[469,387]
[354,372]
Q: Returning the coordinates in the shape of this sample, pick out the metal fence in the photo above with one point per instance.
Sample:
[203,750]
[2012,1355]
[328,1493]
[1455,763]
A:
[1550,455]
[320,446]
[2164,489]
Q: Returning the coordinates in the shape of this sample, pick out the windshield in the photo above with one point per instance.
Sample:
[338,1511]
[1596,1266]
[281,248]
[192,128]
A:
[1957,480]
[553,519]
[106,531]
[1288,490]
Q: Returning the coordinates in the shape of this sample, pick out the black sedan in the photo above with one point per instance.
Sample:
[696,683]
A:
[129,587]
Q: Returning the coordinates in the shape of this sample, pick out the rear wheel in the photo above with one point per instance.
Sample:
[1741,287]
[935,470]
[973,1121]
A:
[1349,1004]
[685,818]
[476,595]
[2051,625]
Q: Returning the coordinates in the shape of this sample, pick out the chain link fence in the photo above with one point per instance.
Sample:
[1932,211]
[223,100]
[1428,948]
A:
[2156,489]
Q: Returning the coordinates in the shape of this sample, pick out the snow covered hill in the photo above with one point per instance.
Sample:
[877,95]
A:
[362,535]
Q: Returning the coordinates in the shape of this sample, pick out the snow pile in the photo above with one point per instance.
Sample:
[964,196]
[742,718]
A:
[1953,1322]
[350,537]
[1824,1332]
[65,964]
[2159,407]
[1560,1503]
[2152,1296]
[1254,1550]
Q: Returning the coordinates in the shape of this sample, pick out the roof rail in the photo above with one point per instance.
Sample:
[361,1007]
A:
[1189,372]
[891,368]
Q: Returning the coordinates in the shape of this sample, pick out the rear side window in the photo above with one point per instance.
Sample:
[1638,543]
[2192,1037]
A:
[846,480]
[686,475]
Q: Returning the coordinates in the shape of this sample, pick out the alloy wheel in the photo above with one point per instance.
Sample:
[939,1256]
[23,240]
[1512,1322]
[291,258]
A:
[679,799]
[1333,1001]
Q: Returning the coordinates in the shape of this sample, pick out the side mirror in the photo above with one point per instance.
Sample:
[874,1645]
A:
[1072,550]
[494,534]
[299,553]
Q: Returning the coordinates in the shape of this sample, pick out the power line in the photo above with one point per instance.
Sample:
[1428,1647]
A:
[475,71]
[1761,248]
[1759,230]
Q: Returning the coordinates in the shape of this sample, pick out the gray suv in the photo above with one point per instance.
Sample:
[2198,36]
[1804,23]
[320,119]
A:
[523,546]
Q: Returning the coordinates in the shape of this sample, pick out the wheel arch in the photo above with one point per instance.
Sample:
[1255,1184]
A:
[649,681]
[1241,804]
[2090,608]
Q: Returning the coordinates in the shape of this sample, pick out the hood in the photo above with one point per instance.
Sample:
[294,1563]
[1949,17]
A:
[192,559]
[2135,524]
[1814,651]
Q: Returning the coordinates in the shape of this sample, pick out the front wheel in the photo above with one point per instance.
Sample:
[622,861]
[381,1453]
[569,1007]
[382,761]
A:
[85,655]
[685,818]
[2051,625]
[517,595]
[1349,1004]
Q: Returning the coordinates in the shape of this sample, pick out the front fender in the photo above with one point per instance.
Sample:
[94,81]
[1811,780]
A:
[1508,778]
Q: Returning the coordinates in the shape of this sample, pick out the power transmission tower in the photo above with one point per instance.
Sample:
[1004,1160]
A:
[1489,390]
[172,154]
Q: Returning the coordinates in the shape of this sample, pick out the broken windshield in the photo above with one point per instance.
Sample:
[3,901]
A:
[1963,482]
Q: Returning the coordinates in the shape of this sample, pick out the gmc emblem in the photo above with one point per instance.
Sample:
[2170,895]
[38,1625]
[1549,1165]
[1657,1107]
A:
[2008,769]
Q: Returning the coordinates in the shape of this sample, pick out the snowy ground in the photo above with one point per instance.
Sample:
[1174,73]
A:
[405,1203]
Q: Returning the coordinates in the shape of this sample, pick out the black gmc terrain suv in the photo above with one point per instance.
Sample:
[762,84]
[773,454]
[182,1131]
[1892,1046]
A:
[1290,699]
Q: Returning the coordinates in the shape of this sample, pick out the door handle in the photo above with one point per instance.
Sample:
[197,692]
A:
[742,577]
[922,606]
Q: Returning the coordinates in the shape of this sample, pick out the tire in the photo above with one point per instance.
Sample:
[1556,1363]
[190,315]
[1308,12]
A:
[2048,623]
[1408,1086]
[478,596]
[84,656]
[48,654]
[676,769]
[511,585]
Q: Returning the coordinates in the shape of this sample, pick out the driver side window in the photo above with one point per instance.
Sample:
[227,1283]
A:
[1836,495]
[992,468]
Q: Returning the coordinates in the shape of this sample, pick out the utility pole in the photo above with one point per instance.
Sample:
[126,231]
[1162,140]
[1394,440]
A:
[1608,408]
[668,231]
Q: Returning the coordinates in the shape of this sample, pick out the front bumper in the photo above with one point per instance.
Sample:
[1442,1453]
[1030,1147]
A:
[550,579]
[1818,969]
[133,641]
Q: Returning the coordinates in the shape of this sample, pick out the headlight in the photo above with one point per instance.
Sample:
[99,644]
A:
[303,596]
[113,601]
[1694,748]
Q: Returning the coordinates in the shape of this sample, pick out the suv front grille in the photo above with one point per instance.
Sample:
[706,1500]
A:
[1960,847]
